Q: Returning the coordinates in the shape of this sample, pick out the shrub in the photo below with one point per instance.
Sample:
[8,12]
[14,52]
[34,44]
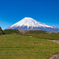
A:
[12,31]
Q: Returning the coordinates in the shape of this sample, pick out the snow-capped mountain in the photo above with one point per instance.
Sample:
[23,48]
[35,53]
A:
[28,23]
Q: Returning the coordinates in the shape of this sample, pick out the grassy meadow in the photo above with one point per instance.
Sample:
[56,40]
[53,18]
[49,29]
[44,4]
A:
[13,46]
[53,36]
[42,35]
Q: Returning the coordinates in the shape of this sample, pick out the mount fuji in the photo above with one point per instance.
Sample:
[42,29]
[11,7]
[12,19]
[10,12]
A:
[28,23]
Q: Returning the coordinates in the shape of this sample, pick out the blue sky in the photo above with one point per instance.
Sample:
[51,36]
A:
[45,11]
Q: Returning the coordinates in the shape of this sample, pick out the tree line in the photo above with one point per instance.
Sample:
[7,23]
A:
[9,31]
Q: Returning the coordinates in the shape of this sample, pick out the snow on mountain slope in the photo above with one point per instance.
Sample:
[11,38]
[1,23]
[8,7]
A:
[30,22]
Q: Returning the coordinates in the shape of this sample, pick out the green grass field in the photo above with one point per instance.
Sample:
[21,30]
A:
[52,36]
[22,47]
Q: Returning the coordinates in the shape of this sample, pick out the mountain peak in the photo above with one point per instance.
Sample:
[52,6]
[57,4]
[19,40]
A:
[28,18]
[29,22]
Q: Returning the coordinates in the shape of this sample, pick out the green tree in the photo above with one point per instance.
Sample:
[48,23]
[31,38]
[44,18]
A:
[12,31]
[1,31]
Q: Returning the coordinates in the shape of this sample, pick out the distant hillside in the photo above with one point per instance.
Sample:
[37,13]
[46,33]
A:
[35,32]
[43,35]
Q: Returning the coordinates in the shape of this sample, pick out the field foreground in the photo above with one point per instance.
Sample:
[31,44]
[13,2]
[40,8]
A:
[23,47]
